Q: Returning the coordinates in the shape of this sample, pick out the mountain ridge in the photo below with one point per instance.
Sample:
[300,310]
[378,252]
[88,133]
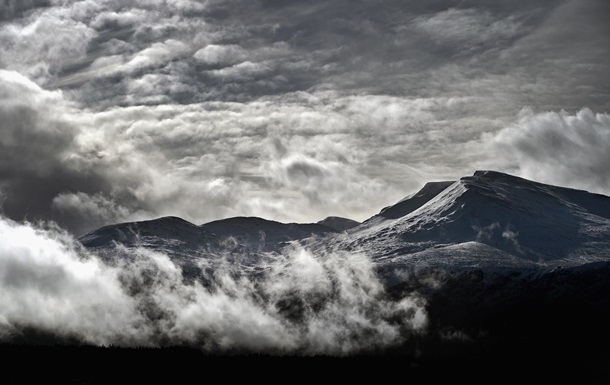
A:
[495,263]
[526,219]
[487,219]
[513,215]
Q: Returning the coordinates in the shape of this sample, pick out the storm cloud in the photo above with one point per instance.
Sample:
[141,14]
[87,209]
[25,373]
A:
[124,110]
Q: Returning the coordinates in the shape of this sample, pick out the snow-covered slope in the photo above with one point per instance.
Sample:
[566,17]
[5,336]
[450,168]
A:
[414,201]
[489,219]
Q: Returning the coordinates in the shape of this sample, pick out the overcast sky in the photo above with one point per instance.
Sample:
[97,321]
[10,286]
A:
[116,110]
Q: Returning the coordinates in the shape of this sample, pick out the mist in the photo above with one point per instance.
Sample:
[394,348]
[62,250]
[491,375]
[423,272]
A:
[299,303]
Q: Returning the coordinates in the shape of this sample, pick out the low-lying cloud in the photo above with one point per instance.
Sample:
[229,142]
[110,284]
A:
[299,304]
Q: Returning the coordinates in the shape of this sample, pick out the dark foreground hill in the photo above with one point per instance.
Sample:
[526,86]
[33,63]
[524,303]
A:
[27,364]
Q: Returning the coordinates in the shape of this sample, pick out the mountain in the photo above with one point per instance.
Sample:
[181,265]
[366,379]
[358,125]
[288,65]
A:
[506,267]
[168,233]
[338,223]
[171,235]
[246,242]
[260,234]
[489,219]
[508,262]
[184,242]
[414,201]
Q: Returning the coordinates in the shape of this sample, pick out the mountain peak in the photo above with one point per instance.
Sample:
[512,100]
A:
[131,233]
[491,175]
[527,219]
[412,202]
[263,234]
[338,223]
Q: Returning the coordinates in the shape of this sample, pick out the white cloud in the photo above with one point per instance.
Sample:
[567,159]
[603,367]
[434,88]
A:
[297,158]
[47,283]
[560,148]
[468,27]
[96,209]
[288,119]
[241,71]
[39,46]
[118,19]
[221,54]
[34,120]
[157,54]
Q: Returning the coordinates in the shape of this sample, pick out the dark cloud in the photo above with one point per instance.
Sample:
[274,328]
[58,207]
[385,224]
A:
[36,150]
[558,65]
[10,9]
[253,49]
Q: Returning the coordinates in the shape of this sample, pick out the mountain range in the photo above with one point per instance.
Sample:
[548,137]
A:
[490,278]
[505,265]
[489,220]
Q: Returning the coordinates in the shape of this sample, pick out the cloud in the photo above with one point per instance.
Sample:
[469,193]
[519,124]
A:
[215,109]
[36,148]
[466,29]
[108,20]
[558,65]
[263,153]
[485,233]
[157,54]
[16,8]
[293,111]
[295,158]
[558,148]
[241,72]
[94,209]
[303,304]
[48,286]
[41,46]
[244,50]
[220,54]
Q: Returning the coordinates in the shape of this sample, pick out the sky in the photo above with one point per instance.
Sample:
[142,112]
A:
[115,111]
